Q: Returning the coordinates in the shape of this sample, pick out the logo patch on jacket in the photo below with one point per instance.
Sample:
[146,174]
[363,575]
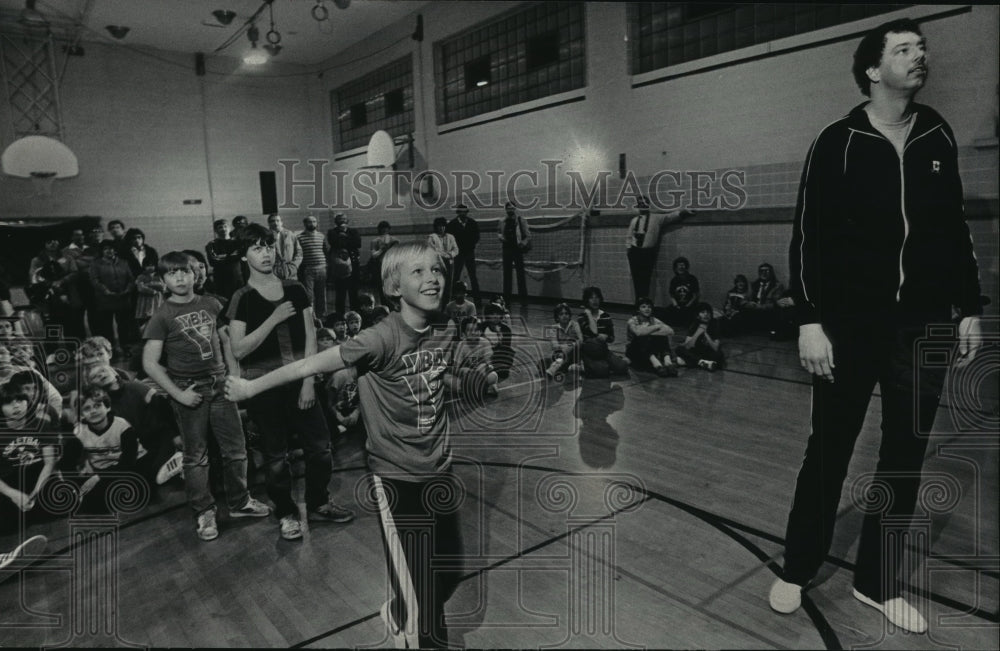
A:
[936,166]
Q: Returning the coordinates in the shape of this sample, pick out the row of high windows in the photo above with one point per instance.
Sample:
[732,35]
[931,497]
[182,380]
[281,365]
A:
[539,50]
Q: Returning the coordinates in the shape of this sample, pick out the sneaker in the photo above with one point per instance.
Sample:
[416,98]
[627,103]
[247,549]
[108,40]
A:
[706,364]
[897,611]
[395,633]
[88,485]
[31,547]
[291,528]
[173,467]
[207,529]
[330,512]
[785,597]
[252,509]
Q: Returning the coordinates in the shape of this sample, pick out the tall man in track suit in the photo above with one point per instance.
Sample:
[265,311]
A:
[466,233]
[880,249]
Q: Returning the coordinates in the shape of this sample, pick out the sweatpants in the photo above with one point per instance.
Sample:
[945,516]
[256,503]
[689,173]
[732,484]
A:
[865,352]
[423,550]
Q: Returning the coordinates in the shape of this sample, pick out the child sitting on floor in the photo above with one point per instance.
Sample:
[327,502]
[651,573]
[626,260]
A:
[566,338]
[702,347]
[649,341]
[472,366]
[598,331]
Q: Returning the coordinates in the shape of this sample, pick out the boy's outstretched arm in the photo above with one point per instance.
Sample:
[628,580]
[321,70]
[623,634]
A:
[328,361]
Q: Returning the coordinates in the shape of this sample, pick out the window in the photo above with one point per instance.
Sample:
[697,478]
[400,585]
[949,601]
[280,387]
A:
[667,33]
[359,116]
[395,102]
[522,55]
[382,99]
[543,50]
[477,73]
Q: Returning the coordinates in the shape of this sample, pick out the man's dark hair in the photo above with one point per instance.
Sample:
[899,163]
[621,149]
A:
[115,221]
[679,260]
[252,235]
[108,244]
[871,47]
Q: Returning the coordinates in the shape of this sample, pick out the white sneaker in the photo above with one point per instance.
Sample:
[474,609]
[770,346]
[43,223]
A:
[173,467]
[395,632]
[207,528]
[31,547]
[252,509]
[785,597]
[898,611]
[291,528]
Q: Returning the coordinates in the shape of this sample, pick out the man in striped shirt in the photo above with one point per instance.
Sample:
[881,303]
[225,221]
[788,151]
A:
[314,250]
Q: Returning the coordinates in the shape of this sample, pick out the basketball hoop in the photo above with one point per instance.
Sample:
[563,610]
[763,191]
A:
[40,159]
[41,183]
[381,152]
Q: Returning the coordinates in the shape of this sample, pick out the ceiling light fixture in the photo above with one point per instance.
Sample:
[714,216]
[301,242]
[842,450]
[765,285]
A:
[117,31]
[254,57]
[224,16]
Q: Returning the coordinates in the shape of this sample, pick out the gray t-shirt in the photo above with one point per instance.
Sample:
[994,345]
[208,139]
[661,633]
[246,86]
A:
[402,391]
[189,335]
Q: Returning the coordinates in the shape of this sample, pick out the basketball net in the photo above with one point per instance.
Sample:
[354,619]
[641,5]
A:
[41,183]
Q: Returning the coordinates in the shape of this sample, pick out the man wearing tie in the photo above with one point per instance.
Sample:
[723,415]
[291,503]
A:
[643,244]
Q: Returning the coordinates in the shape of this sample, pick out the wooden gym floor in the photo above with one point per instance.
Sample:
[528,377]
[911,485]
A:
[646,512]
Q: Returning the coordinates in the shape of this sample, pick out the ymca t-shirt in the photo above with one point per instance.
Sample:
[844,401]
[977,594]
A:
[286,342]
[189,335]
[402,391]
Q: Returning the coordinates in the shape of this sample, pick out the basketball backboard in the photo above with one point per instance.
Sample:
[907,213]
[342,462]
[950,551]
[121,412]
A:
[41,159]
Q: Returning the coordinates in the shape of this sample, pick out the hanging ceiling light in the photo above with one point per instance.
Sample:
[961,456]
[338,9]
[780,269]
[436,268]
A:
[224,16]
[117,31]
[254,57]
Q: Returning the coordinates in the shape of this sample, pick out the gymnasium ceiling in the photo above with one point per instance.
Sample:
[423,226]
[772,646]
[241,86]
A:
[188,25]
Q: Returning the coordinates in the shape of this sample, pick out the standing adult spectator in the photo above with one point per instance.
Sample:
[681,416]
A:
[113,284]
[880,196]
[379,245]
[77,241]
[516,239]
[347,239]
[313,272]
[136,253]
[445,246]
[643,244]
[116,228]
[465,230]
[223,255]
[52,278]
[239,223]
[287,248]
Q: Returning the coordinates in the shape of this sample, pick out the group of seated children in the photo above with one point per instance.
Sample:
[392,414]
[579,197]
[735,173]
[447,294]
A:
[584,342]
[106,429]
